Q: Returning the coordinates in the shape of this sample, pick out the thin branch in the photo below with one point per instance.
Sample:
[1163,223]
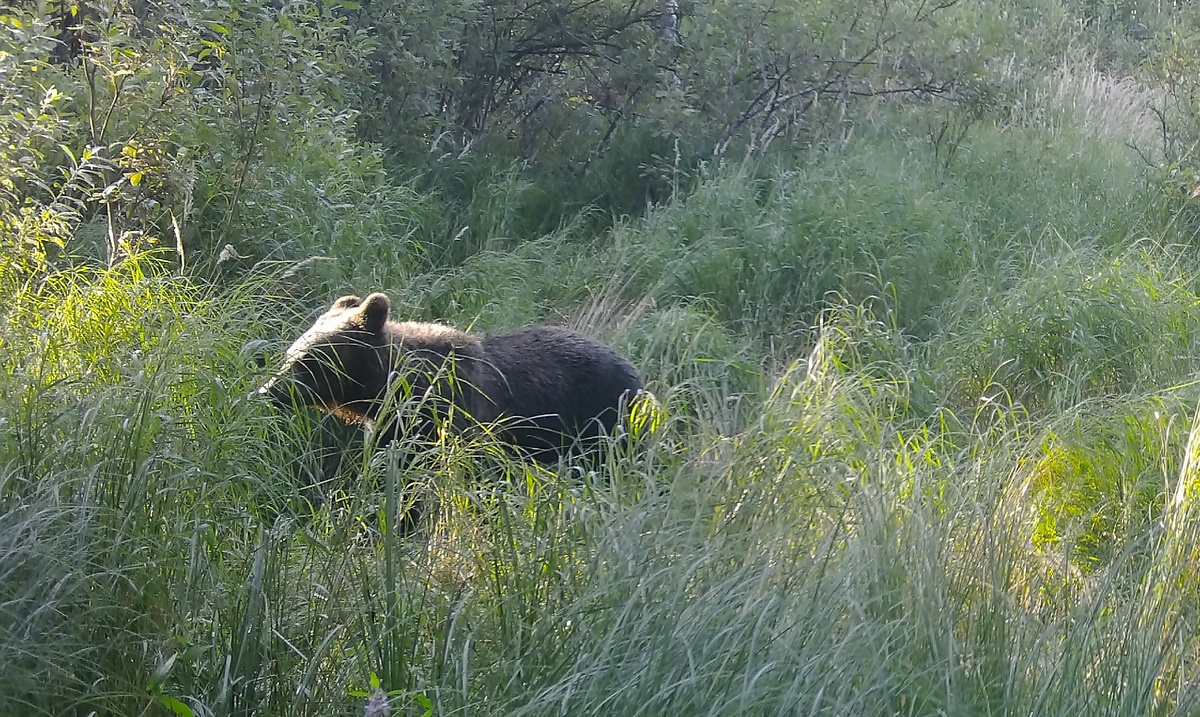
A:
[117,87]
[250,145]
[1141,154]
[89,71]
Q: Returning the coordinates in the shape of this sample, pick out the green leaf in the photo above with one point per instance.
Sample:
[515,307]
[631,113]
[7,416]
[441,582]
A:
[175,706]
[161,672]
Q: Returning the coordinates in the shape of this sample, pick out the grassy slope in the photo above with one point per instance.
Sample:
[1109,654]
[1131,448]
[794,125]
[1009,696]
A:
[961,484]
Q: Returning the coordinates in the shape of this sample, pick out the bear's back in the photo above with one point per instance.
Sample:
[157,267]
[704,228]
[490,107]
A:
[425,336]
[562,383]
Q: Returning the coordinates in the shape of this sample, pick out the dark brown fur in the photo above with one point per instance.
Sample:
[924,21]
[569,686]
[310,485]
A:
[550,389]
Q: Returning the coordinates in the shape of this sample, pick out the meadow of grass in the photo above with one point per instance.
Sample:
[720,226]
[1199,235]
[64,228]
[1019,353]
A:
[924,441]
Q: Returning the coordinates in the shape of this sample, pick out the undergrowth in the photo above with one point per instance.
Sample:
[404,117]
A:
[924,429]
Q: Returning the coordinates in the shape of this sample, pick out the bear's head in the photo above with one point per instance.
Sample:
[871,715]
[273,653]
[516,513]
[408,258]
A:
[341,364]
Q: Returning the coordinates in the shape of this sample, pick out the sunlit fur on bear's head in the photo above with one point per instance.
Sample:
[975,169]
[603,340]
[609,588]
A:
[340,364]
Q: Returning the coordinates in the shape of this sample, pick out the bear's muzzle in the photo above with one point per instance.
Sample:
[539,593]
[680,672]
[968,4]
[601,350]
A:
[277,391]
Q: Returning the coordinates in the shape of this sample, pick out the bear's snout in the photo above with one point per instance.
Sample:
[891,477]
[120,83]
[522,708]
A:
[276,391]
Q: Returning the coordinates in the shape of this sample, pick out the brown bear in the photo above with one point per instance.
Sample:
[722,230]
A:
[548,390]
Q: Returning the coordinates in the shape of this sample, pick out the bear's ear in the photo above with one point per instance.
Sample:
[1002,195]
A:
[375,312]
[347,302]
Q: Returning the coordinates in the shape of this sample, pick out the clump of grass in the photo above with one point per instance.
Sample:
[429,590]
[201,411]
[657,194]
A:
[135,465]
[1102,474]
[1114,110]
[1078,325]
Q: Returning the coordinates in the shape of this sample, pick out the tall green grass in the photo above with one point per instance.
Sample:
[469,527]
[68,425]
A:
[808,549]
[928,446]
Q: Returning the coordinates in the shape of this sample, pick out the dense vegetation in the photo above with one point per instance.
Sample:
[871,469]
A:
[916,286]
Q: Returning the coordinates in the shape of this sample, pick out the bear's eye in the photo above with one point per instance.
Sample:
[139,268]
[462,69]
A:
[332,364]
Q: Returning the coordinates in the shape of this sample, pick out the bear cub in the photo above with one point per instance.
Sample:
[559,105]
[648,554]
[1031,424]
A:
[551,390]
